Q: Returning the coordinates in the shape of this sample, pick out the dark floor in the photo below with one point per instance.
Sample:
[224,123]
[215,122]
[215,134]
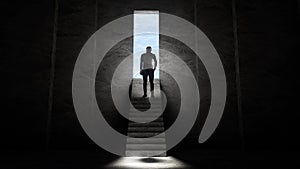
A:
[204,160]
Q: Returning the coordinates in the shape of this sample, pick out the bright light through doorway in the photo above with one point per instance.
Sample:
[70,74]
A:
[146,33]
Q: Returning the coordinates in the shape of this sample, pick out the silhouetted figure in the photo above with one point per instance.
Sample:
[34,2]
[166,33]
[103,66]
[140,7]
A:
[147,69]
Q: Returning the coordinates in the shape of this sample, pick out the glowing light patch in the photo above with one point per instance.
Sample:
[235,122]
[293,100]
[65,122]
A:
[148,163]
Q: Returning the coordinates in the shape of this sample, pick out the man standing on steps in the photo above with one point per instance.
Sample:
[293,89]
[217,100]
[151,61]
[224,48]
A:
[147,69]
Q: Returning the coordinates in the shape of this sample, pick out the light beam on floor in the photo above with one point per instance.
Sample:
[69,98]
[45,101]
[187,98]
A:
[148,163]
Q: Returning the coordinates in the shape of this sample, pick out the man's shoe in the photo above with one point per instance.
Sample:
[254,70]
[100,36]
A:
[144,96]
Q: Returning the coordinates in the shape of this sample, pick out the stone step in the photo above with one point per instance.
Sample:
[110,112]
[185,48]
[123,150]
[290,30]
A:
[152,110]
[146,153]
[145,134]
[144,111]
[137,100]
[151,124]
[145,119]
[146,147]
[146,129]
[145,106]
[156,115]
[147,99]
[155,102]
[142,114]
[152,140]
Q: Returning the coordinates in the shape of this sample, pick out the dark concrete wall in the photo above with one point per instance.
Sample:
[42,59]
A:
[268,38]
[26,44]
[268,34]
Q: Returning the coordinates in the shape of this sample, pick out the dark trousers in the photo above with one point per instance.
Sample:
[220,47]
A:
[146,73]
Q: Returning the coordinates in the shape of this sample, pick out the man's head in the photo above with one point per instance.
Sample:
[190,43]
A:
[148,49]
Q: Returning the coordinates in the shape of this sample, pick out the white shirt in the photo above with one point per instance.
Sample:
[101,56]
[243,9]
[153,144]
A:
[146,61]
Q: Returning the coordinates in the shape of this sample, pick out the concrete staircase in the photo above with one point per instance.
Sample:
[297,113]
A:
[145,123]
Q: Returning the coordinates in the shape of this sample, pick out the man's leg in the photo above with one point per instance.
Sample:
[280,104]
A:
[151,78]
[145,74]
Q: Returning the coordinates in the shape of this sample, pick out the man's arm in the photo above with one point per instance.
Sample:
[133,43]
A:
[155,62]
[141,63]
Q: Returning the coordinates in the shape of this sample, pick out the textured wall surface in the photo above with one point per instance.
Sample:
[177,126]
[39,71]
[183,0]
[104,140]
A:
[26,45]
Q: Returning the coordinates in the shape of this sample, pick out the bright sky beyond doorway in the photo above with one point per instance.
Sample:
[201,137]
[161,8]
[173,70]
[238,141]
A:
[146,33]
